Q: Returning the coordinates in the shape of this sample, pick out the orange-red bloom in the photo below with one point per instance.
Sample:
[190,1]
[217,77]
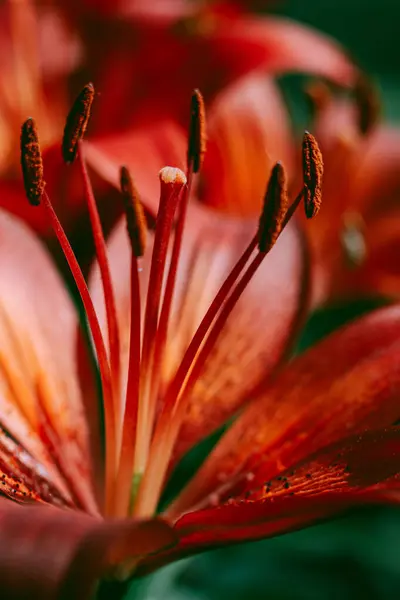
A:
[185,337]
[356,243]
[150,51]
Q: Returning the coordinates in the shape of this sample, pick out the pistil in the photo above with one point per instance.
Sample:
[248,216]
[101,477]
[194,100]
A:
[172,182]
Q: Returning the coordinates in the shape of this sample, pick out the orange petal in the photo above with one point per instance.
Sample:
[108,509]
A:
[52,554]
[40,401]
[278,45]
[248,133]
[258,332]
[357,470]
[348,382]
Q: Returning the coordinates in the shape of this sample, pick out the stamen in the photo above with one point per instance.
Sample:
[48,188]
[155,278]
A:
[130,421]
[172,181]
[109,298]
[274,209]
[98,342]
[77,121]
[368,104]
[32,168]
[197,132]
[31,162]
[136,224]
[313,169]
[134,213]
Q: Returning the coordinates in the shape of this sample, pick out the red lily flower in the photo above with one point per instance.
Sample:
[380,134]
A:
[169,48]
[355,246]
[191,369]
[130,60]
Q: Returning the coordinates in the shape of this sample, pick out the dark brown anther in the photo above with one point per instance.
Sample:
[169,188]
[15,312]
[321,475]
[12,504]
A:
[197,132]
[135,218]
[313,169]
[368,104]
[31,162]
[274,209]
[77,122]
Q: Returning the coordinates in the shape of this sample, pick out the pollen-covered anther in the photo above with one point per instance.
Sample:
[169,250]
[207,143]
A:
[172,176]
[197,132]
[274,209]
[77,122]
[134,213]
[31,162]
[368,104]
[313,169]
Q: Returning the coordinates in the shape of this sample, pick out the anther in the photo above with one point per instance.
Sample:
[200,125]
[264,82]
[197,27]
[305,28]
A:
[197,132]
[274,209]
[135,218]
[313,168]
[31,162]
[77,122]
[368,104]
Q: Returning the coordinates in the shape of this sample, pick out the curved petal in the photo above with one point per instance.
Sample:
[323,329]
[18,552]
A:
[346,383]
[279,45]
[40,401]
[258,332]
[154,59]
[52,554]
[248,132]
[355,471]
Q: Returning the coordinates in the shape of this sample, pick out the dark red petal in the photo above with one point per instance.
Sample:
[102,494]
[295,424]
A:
[279,45]
[51,554]
[349,382]
[360,469]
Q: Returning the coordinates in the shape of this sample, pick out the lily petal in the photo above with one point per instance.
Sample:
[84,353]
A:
[346,383]
[40,401]
[248,133]
[209,49]
[279,45]
[357,470]
[34,564]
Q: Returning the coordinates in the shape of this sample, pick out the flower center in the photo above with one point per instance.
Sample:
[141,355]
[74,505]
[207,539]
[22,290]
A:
[140,439]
